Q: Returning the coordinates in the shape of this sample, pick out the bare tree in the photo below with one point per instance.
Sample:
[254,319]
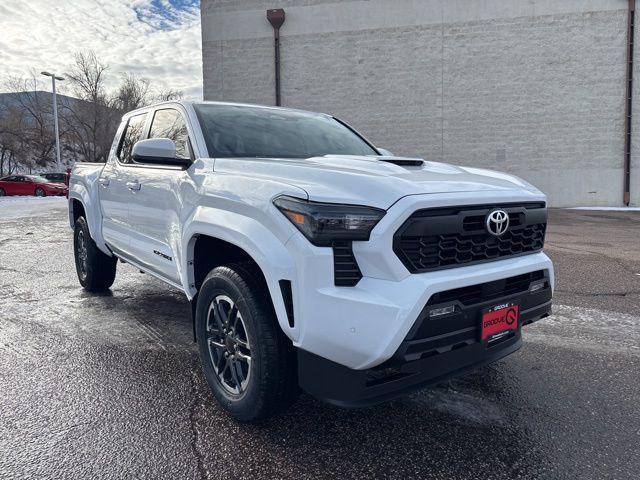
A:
[133,93]
[9,147]
[87,76]
[11,143]
[26,124]
[6,139]
[92,120]
[88,120]
[167,95]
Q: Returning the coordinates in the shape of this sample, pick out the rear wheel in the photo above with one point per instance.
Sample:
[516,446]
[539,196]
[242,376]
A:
[2,192]
[40,192]
[96,271]
[247,360]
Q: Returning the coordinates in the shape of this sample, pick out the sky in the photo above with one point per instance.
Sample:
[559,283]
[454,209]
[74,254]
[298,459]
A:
[155,39]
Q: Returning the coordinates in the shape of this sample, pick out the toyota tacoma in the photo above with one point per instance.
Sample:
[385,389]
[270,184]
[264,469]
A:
[312,258]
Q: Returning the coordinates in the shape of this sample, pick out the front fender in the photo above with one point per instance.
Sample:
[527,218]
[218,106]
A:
[267,250]
[84,191]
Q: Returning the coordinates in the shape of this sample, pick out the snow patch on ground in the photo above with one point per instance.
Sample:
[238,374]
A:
[587,329]
[468,406]
[608,209]
[18,207]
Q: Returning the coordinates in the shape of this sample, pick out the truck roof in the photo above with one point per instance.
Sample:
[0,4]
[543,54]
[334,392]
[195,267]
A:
[190,103]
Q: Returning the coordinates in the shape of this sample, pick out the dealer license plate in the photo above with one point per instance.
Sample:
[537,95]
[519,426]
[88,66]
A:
[499,321]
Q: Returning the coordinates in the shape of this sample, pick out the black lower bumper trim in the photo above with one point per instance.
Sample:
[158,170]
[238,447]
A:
[345,387]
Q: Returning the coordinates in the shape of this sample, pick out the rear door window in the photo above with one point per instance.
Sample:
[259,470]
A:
[169,123]
[132,134]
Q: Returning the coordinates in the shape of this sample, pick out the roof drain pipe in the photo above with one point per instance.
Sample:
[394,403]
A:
[276,19]
[628,103]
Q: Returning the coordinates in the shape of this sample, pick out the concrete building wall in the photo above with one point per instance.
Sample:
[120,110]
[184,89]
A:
[532,87]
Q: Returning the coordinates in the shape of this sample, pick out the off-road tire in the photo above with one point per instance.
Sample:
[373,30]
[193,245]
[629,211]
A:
[272,384]
[96,270]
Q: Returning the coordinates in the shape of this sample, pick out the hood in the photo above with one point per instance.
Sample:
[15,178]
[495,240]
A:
[370,180]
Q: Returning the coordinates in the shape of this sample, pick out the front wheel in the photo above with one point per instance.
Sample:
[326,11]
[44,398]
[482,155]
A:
[247,360]
[2,192]
[96,270]
[40,192]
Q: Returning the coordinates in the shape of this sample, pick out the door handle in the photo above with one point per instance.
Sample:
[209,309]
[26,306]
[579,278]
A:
[133,185]
[104,181]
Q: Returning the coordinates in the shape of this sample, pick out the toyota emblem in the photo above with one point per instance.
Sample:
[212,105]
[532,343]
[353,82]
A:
[497,222]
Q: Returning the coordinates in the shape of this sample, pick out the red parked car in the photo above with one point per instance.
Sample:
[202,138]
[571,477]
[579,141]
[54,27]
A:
[31,185]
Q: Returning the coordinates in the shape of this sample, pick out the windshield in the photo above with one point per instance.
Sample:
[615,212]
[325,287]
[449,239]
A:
[37,179]
[241,131]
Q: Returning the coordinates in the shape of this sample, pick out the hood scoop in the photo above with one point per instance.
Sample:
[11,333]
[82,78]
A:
[403,161]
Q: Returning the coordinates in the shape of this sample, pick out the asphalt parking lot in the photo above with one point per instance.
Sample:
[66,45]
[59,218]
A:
[110,386]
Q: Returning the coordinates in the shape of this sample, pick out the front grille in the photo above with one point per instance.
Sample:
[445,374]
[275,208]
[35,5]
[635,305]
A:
[434,239]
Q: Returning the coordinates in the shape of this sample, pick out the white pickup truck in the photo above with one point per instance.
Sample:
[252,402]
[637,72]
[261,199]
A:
[311,257]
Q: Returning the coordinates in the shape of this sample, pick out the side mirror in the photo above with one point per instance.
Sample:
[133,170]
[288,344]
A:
[158,151]
[385,153]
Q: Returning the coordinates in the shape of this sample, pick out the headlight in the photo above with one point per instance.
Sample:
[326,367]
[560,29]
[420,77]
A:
[323,223]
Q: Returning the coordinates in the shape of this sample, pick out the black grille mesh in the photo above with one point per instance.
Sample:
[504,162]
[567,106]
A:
[457,239]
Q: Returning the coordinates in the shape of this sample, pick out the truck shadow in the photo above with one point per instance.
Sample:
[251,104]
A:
[449,428]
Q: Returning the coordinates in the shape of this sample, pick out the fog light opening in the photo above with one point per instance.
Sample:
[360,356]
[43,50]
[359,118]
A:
[537,286]
[439,312]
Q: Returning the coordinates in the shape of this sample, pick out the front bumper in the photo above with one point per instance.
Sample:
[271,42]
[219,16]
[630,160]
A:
[433,351]
[363,344]
[362,327]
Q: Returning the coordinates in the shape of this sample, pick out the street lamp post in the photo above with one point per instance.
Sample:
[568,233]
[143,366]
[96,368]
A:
[55,77]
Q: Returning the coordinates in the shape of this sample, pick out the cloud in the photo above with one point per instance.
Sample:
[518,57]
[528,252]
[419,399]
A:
[157,39]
